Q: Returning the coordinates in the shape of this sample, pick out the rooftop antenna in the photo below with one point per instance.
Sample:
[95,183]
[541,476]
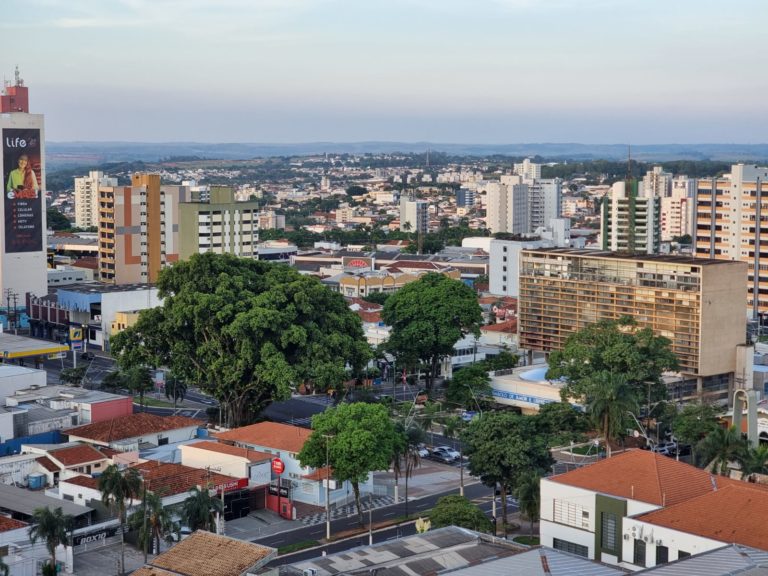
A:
[19,81]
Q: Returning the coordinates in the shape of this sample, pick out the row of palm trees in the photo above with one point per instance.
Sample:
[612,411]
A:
[613,398]
[150,519]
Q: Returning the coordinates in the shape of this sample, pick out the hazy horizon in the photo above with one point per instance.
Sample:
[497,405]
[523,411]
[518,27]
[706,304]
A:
[454,71]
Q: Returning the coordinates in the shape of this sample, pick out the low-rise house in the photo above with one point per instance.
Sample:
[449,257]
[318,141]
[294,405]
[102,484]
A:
[639,509]
[231,460]
[73,458]
[297,483]
[91,405]
[136,431]
[205,553]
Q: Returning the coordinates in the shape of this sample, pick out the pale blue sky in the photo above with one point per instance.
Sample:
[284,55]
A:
[482,71]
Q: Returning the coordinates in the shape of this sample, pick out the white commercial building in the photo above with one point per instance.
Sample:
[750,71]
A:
[23,249]
[87,198]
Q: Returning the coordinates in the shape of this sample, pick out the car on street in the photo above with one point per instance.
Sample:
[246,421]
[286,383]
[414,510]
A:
[423,452]
[445,454]
[442,457]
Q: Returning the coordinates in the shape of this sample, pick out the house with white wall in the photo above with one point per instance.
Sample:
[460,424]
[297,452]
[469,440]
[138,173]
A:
[591,511]
[229,460]
[135,431]
[296,483]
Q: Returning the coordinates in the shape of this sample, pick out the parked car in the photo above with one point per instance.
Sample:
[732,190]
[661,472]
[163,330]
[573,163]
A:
[443,457]
[423,452]
[87,356]
[446,451]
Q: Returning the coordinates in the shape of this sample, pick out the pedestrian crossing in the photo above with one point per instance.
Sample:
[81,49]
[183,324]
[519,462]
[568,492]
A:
[347,510]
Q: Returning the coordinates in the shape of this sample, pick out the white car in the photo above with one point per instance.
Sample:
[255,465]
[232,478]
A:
[446,451]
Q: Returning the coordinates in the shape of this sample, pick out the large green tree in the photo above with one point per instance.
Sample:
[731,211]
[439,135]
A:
[612,346]
[502,446]
[245,331]
[469,387]
[694,422]
[459,511]
[53,526]
[362,437]
[428,317]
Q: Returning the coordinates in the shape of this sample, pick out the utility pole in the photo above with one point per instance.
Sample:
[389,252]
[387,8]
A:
[370,518]
[327,486]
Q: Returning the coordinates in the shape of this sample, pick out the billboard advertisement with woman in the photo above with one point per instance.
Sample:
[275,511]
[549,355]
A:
[23,199]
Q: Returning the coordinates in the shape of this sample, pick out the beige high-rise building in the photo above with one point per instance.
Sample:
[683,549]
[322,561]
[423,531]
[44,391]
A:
[87,198]
[696,303]
[677,209]
[726,211]
[138,229]
[657,183]
[220,225]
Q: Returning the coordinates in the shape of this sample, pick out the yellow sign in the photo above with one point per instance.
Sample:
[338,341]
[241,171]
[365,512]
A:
[75,334]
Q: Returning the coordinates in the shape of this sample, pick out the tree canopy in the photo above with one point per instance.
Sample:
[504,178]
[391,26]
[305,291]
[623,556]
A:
[693,422]
[357,439]
[428,317]
[611,346]
[459,511]
[245,331]
[502,446]
[469,386]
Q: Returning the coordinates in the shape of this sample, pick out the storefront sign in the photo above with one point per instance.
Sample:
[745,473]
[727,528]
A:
[278,467]
[94,537]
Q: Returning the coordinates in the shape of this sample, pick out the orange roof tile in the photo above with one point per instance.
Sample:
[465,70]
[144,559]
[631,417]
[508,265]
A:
[735,514]
[11,524]
[645,476]
[168,479]
[320,474]
[270,435]
[77,455]
[131,426]
[207,554]
[48,464]
[84,481]
[247,453]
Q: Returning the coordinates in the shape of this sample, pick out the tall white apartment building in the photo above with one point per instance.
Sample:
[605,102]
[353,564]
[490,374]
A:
[657,183]
[414,215]
[507,208]
[727,210]
[528,169]
[678,208]
[544,201]
[630,220]
[87,198]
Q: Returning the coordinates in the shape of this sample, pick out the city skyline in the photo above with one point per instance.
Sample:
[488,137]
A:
[495,71]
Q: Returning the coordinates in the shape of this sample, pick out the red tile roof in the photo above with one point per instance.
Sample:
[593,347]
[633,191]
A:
[270,435]
[77,455]
[320,474]
[645,476]
[11,524]
[84,481]
[508,326]
[370,317]
[167,479]
[48,464]
[131,426]
[364,305]
[247,453]
[735,514]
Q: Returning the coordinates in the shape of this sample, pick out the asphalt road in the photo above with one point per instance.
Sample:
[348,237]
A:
[478,493]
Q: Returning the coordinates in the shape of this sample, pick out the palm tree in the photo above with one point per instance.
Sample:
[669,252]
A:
[610,401]
[755,462]
[116,488]
[411,458]
[199,510]
[153,522]
[528,495]
[452,428]
[53,527]
[720,447]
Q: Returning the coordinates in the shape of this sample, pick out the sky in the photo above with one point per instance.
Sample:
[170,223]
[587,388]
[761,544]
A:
[458,71]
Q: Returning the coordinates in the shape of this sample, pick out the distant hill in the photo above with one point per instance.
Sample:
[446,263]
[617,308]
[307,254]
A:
[60,154]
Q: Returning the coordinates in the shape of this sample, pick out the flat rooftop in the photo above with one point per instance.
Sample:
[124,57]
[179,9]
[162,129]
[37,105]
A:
[99,288]
[13,346]
[664,258]
[25,502]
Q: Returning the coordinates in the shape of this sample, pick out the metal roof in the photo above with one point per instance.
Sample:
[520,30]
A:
[26,502]
[13,346]
[731,559]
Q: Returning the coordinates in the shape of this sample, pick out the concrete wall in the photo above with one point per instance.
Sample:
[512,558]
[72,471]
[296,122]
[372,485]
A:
[100,411]
[655,536]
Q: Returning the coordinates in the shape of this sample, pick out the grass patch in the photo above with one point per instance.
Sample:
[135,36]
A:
[148,401]
[527,540]
[296,546]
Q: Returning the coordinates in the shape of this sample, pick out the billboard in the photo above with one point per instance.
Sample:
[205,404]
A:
[22,198]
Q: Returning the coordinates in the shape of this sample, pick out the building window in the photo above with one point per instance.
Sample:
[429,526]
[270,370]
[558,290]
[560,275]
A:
[682,555]
[638,558]
[608,536]
[570,547]
[662,555]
